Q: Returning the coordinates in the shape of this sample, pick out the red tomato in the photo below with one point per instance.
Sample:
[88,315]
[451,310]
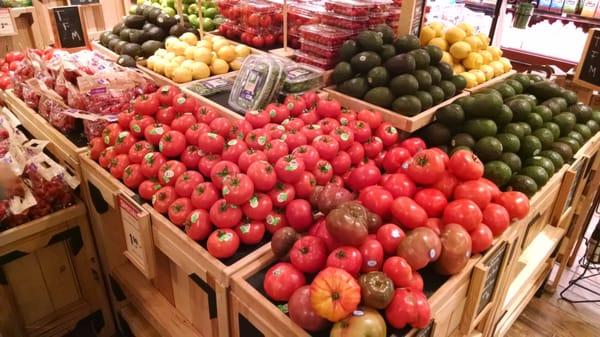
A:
[206,163]
[276,149]
[442,154]
[377,200]
[319,228]
[463,212]
[416,282]
[262,175]
[409,213]
[106,156]
[474,190]
[298,214]
[274,131]
[293,124]
[364,176]
[289,169]
[516,203]
[425,167]
[211,143]
[309,254]
[432,200]
[399,185]
[132,176]
[170,171]
[163,198]
[390,236]
[311,131]
[402,310]
[204,195]
[223,243]
[237,188]
[147,189]
[183,103]
[356,152]
[183,122]
[361,130]
[308,154]
[249,157]
[146,105]
[282,280]
[435,224]
[305,185]
[96,147]
[165,115]
[465,165]
[275,220]
[110,134]
[344,136]
[295,104]
[257,118]
[258,207]
[257,138]
[446,184]
[282,194]
[221,125]
[414,145]
[373,118]
[179,211]
[166,93]
[323,172]
[225,215]
[494,190]
[277,112]
[347,258]
[251,232]
[388,134]
[341,163]
[481,239]
[329,108]
[327,146]
[191,157]
[373,147]
[198,226]
[139,123]
[185,183]
[309,116]
[221,170]
[311,98]
[496,218]
[206,114]
[139,150]
[239,129]
[294,139]
[124,118]
[118,164]
[393,159]
[372,253]
[398,270]
[172,144]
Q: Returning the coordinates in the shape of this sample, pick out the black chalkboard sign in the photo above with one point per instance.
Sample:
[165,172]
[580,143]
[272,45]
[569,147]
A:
[69,30]
[588,69]
[417,18]
[83,2]
[493,262]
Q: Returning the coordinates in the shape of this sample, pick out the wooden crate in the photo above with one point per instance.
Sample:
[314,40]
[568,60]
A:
[61,147]
[492,82]
[226,112]
[404,123]
[28,31]
[51,277]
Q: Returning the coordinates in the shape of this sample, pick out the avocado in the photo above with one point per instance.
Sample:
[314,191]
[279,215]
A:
[348,49]
[401,64]
[542,162]
[563,149]
[405,84]
[545,136]
[135,21]
[356,87]
[112,44]
[524,184]
[448,88]
[571,142]
[451,115]
[498,172]
[462,139]
[535,78]
[381,96]
[582,112]
[342,72]
[124,34]
[386,32]
[153,15]
[146,11]
[515,129]
[139,10]
[436,134]
[150,47]
[466,103]
[118,27]
[504,117]
[596,116]
[177,30]
[532,100]
[562,103]
[406,43]
[156,33]
[132,49]
[137,36]
[106,37]
[488,149]
[544,112]
[437,94]
[458,148]
[435,53]
[378,77]
[446,71]
[537,173]
[523,79]
[526,128]
[505,90]
[544,90]
[530,146]
[570,96]
[387,51]
[555,157]
[510,142]
[425,98]
[364,61]
[126,61]
[584,130]
[553,105]
[422,59]
[554,128]
[516,85]
[119,46]
[424,79]
[520,109]
[492,91]
[459,81]
[480,127]
[512,160]
[593,125]
[577,136]
[436,75]
[147,26]
[407,105]
[535,121]
[566,121]
[485,105]
[369,40]
[166,22]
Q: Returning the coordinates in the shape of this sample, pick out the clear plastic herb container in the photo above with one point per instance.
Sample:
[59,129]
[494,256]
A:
[302,77]
[259,78]
[213,86]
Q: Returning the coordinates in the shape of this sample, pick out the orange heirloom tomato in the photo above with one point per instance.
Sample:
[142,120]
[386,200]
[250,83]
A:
[334,294]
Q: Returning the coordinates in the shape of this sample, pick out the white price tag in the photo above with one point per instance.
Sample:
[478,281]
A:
[138,235]
[7,24]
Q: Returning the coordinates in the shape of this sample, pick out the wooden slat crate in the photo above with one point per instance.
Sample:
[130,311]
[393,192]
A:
[404,123]
[50,278]
[226,112]
[28,31]
[492,82]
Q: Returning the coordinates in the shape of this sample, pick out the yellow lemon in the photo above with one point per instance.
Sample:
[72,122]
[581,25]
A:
[187,64]
[151,61]
[470,78]
[479,75]
[488,71]
[446,57]
[179,48]
[219,67]
[182,75]
[475,42]
[506,63]
[242,50]
[200,70]
[160,52]
[202,55]
[427,34]
[169,42]
[484,38]
[467,27]
[236,64]
[227,53]
[496,53]
[178,59]
[498,68]
[438,42]
[169,55]
[189,38]
[455,34]
[218,44]
[460,50]
[438,27]
[458,68]
[213,57]
[473,61]
[189,52]
[159,66]
[487,56]
[208,37]
[169,68]
[205,44]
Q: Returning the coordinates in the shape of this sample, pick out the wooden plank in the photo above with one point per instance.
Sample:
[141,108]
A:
[107,53]
[225,112]
[137,324]
[492,82]
[59,275]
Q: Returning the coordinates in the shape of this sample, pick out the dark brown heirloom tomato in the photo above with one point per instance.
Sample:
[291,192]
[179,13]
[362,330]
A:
[283,241]
[330,196]
[420,247]
[348,222]
[456,249]
[376,289]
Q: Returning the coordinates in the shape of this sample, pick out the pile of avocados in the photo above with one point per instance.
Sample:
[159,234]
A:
[524,130]
[142,33]
[394,73]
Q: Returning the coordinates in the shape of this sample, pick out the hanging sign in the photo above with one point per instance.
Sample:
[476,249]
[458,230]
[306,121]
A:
[7,23]
[588,69]
[68,27]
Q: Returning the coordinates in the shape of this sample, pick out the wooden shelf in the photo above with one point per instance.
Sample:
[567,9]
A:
[18,11]
[137,323]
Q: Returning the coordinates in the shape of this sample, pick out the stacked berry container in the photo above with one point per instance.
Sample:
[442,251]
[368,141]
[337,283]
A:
[347,14]
[320,43]
[257,23]
[300,14]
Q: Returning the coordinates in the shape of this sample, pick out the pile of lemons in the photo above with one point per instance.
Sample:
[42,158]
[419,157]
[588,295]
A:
[186,58]
[468,51]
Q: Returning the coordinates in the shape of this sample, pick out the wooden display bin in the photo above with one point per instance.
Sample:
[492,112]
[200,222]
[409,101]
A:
[50,278]
[28,31]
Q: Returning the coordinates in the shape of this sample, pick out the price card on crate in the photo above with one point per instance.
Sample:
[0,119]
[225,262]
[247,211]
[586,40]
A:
[138,235]
[7,23]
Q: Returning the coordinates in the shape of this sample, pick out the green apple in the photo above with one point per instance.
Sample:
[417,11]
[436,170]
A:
[210,4]
[132,9]
[193,9]
[210,13]
[193,18]
[208,25]
[169,11]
